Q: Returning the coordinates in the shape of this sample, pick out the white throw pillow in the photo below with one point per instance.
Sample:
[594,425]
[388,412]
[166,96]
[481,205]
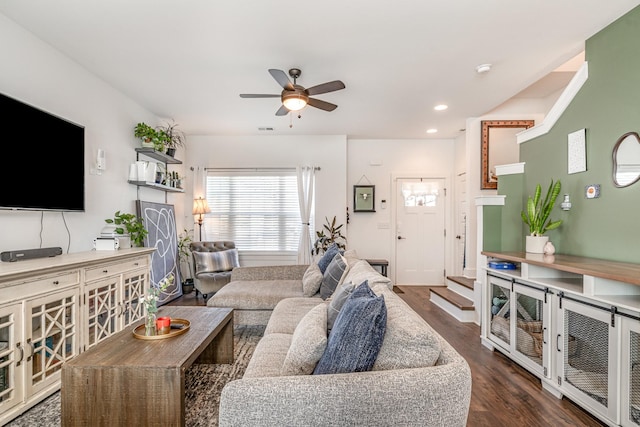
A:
[311,280]
[308,343]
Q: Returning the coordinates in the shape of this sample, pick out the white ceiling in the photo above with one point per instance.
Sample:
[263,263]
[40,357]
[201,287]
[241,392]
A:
[190,59]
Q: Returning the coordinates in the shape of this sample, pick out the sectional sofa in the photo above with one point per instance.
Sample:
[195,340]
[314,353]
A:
[418,379]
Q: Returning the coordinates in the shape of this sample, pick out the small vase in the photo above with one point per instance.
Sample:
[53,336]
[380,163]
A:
[150,325]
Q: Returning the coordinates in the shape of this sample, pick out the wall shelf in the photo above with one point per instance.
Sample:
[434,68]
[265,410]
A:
[157,186]
[157,155]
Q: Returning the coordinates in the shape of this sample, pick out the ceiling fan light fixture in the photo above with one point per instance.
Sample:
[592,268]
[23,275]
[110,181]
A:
[294,101]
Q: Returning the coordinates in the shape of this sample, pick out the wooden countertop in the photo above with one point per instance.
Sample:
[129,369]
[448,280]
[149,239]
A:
[613,270]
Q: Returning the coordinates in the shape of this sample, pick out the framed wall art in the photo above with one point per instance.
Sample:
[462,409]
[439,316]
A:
[160,220]
[364,198]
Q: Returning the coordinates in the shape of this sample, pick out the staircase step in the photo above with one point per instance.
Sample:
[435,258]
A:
[453,298]
[467,282]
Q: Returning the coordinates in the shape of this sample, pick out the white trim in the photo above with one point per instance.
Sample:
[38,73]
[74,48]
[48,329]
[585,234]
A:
[558,108]
[510,169]
[490,201]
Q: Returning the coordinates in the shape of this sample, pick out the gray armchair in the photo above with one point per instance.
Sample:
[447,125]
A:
[213,262]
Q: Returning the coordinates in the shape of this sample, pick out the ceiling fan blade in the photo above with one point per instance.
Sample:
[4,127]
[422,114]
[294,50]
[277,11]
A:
[282,111]
[323,105]
[281,78]
[258,95]
[325,87]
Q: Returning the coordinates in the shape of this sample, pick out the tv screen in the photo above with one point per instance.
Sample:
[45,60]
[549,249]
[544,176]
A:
[46,167]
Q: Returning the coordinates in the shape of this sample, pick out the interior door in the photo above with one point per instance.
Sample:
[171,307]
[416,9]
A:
[460,263]
[420,231]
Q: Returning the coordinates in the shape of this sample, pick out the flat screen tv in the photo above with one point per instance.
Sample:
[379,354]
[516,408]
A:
[45,170]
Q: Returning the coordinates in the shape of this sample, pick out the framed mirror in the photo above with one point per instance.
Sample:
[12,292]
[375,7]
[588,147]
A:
[626,160]
[499,147]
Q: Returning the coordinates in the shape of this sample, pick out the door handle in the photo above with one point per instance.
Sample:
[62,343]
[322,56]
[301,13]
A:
[401,238]
[458,237]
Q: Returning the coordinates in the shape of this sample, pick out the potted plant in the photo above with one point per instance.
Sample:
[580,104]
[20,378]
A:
[537,218]
[334,235]
[150,137]
[129,224]
[184,254]
[174,137]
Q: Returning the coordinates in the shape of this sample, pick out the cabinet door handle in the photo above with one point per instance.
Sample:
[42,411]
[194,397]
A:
[33,350]
[19,347]
[558,343]
[136,264]
[105,271]
[56,282]
[544,335]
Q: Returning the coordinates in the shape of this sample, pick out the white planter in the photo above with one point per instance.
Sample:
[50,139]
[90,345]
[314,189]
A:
[124,241]
[535,244]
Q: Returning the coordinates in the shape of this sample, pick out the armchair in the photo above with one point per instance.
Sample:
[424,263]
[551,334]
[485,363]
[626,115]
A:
[213,262]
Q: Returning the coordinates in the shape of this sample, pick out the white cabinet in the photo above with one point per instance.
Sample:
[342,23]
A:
[54,308]
[588,313]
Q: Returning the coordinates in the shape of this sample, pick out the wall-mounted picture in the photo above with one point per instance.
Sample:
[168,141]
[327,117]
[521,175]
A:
[364,198]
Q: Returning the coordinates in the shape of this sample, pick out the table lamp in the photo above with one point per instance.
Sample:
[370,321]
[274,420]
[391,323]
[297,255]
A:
[200,207]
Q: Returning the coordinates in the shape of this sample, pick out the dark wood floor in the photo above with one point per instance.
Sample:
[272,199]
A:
[503,393]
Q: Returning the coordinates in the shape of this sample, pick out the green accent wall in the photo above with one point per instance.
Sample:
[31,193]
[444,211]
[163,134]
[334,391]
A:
[492,227]
[607,106]
[513,229]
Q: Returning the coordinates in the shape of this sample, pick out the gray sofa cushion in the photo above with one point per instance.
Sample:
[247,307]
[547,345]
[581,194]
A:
[333,276]
[255,295]
[356,337]
[288,313]
[361,270]
[409,341]
[268,357]
[308,343]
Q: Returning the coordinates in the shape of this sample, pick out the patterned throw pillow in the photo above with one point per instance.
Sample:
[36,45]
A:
[307,343]
[212,262]
[338,299]
[357,335]
[333,276]
[326,259]
[311,280]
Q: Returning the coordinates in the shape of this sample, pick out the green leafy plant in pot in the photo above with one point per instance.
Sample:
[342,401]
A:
[537,215]
[129,224]
[334,235]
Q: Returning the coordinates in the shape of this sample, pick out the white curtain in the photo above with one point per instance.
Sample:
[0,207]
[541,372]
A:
[306,178]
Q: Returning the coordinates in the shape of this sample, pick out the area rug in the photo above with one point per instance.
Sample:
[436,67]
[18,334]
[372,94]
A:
[203,385]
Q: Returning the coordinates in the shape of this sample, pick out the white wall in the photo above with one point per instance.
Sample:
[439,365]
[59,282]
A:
[372,235]
[34,73]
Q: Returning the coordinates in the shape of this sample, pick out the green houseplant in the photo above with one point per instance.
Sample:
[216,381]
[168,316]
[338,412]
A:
[126,223]
[174,137]
[151,137]
[333,235]
[536,216]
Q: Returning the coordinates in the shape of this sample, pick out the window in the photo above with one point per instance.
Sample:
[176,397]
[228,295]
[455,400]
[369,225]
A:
[258,210]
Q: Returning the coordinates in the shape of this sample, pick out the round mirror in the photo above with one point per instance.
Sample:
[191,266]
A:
[626,160]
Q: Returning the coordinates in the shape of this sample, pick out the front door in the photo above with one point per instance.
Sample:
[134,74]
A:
[420,231]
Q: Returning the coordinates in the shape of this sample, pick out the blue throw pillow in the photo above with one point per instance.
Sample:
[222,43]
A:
[357,334]
[333,276]
[331,251]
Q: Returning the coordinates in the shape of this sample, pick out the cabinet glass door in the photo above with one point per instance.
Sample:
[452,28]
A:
[133,289]
[531,333]
[500,306]
[11,357]
[101,310]
[588,366]
[53,323]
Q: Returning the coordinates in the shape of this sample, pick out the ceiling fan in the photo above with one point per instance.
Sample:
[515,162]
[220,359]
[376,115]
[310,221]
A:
[295,97]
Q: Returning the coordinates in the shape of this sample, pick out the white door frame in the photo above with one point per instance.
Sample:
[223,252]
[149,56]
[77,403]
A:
[448,225]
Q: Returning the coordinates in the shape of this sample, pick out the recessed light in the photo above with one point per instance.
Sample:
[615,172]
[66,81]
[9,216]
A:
[440,107]
[483,68]
[432,130]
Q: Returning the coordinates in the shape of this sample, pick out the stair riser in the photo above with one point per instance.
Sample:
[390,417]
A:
[465,316]
[459,289]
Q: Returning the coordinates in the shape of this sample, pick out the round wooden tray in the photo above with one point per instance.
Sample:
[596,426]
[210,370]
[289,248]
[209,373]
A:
[138,332]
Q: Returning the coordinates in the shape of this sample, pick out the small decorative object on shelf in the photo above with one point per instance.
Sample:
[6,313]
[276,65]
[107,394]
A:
[150,302]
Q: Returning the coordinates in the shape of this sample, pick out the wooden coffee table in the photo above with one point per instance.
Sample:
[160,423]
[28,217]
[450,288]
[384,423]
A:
[128,381]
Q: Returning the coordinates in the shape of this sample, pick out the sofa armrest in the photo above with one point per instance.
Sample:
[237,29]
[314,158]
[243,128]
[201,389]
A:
[433,396]
[271,272]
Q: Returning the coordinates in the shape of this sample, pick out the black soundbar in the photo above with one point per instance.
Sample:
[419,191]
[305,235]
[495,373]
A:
[19,255]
